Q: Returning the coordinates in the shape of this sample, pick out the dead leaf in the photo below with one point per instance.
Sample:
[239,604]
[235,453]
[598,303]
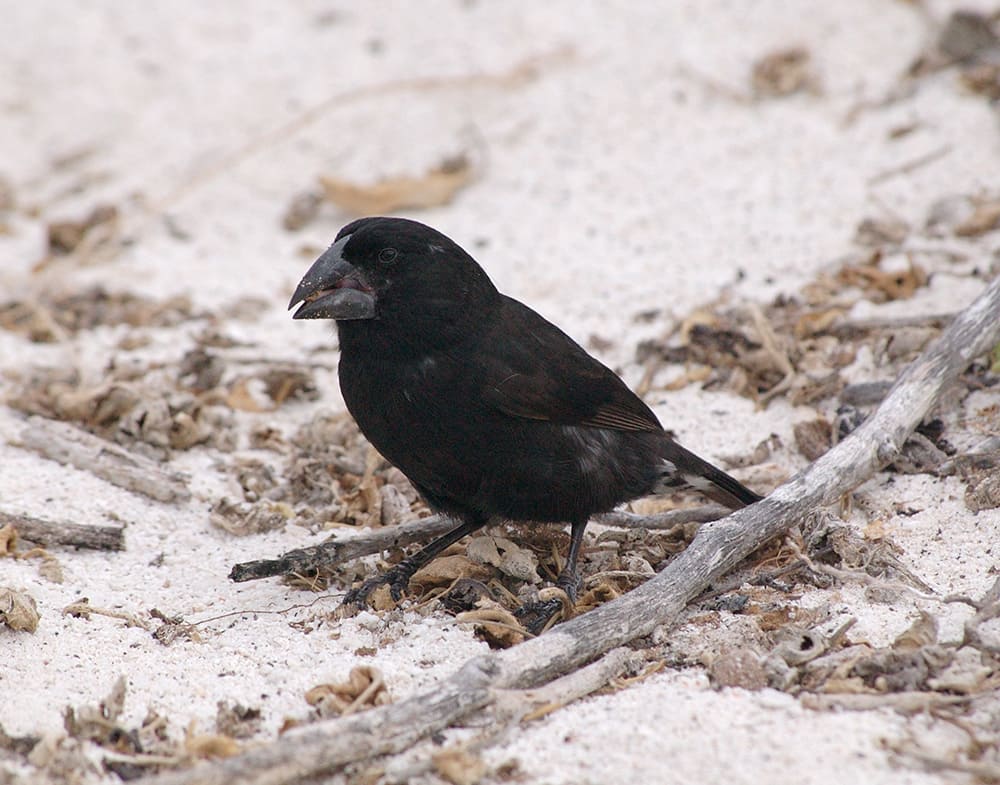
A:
[494,624]
[51,316]
[598,594]
[172,628]
[242,399]
[382,600]
[8,198]
[816,322]
[877,529]
[521,564]
[459,767]
[482,550]
[8,539]
[965,34]
[394,507]
[853,685]
[50,568]
[288,383]
[692,375]
[782,73]
[234,720]
[209,746]
[982,491]
[18,610]
[364,689]
[302,210]
[982,79]
[880,285]
[445,570]
[201,370]
[923,632]
[738,668]
[985,218]
[64,237]
[877,232]
[245,518]
[435,188]
[99,723]
[813,437]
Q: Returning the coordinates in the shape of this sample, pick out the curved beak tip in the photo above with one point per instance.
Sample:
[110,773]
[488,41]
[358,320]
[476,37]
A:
[329,289]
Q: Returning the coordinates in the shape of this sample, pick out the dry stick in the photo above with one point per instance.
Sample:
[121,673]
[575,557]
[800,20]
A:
[911,165]
[663,520]
[909,702]
[718,547]
[48,533]
[520,706]
[340,548]
[854,326]
[535,703]
[68,444]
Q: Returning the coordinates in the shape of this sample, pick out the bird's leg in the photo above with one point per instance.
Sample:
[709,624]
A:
[535,616]
[569,578]
[397,578]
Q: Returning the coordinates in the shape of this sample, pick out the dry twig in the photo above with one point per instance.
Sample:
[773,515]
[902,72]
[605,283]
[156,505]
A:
[343,547]
[48,533]
[68,444]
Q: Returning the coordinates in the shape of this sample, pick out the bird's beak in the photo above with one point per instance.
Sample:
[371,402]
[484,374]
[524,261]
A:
[333,288]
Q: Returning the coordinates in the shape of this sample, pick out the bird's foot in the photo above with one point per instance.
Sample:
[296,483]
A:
[396,578]
[570,582]
[553,605]
[537,617]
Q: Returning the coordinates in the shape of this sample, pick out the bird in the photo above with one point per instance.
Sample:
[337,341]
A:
[491,411]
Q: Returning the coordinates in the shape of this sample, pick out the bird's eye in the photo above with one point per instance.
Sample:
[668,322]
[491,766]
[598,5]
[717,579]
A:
[387,255]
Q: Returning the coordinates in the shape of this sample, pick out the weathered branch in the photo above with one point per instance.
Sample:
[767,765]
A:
[68,444]
[717,548]
[344,546]
[102,538]
[340,548]
[663,520]
[513,707]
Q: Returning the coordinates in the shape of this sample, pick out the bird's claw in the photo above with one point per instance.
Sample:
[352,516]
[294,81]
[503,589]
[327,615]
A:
[570,582]
[537,617]
[361,596]
[554,605]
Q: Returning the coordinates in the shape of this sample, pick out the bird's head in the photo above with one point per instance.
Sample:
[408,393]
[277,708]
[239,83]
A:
[393,269]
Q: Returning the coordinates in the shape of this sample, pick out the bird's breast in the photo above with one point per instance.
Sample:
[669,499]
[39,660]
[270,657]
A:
[399,406]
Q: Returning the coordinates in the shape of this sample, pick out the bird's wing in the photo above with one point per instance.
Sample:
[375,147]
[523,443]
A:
[532,369]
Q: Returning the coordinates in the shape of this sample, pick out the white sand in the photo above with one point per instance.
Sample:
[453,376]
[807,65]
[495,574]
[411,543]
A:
[618,181]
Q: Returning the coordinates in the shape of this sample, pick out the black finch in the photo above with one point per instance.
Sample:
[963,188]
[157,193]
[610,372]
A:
[491,411]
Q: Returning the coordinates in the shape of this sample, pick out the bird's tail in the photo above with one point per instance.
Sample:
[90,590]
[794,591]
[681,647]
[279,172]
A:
[682,468]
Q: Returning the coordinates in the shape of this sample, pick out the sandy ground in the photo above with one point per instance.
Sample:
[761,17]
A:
[621,168]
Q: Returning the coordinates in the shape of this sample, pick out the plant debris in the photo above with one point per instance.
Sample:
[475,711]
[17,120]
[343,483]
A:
[18,610]
[459,766]
[783,72]
[66,236]
[364,689]
[52,317]
[237,721]
[438,186]
[302,210]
